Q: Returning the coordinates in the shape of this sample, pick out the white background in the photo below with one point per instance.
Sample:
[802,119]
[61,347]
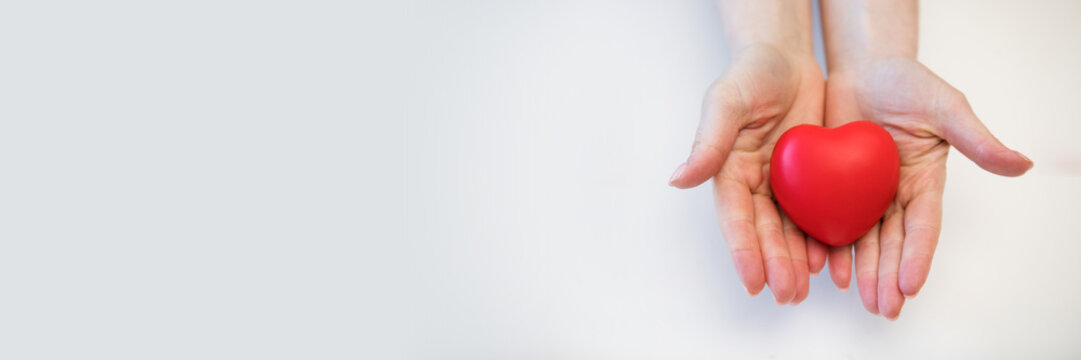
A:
[473,179]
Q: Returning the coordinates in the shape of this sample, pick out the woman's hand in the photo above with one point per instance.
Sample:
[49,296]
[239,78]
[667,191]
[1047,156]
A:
[765,91]
[871,46]
[925,115]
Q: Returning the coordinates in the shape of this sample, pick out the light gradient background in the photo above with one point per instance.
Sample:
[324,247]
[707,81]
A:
[472,180]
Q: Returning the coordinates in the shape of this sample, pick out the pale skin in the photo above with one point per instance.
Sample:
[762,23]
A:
[774,83]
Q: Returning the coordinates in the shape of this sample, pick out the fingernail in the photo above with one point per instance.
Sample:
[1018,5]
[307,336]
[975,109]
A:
[844,289]
[677,174]
[913,296]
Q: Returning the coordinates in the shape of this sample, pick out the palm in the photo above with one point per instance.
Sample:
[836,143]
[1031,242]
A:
[780,94]
[762,94]
[902,97]
[922,112]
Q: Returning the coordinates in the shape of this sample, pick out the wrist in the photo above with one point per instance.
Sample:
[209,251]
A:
[861,63]
[790,53]
[858,33]
[779,24]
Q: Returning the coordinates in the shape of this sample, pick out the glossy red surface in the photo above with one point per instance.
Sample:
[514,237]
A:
[835,184]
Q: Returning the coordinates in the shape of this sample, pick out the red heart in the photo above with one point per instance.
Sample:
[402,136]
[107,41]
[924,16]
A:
[835,184]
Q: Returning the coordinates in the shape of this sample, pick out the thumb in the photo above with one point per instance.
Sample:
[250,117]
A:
[966,132]
[722,111]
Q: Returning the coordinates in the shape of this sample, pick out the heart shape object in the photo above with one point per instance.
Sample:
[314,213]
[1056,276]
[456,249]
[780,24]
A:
[835,184]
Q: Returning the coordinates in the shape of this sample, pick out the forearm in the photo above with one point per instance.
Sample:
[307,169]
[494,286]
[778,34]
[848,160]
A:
[784,24]
[859,31]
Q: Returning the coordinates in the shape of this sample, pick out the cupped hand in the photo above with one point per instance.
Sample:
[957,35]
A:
[763,93]
[925,115]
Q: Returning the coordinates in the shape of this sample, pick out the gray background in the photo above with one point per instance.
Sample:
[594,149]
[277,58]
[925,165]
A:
[472,179]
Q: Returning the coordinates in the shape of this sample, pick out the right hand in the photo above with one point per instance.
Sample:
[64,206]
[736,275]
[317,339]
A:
[762,94]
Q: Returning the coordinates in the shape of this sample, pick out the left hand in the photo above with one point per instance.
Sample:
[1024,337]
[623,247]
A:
[925,115]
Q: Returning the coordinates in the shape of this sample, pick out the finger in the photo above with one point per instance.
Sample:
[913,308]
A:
[890,299]
[922,221]
[779,273]
[866,257]
[723,112]
[797,250]
[816,255]
[840,260]
[962,129]
[735,214]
